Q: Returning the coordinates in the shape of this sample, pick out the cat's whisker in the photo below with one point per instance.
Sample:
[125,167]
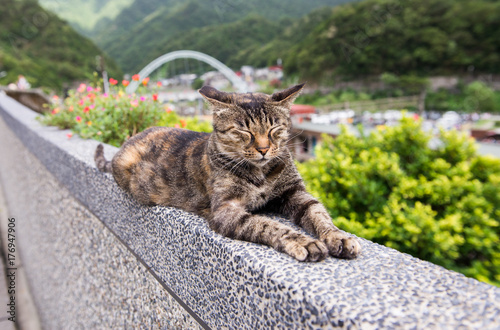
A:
[226,153]
[240,163]
[296,144]
[291,139]
[294,136]
[280,158]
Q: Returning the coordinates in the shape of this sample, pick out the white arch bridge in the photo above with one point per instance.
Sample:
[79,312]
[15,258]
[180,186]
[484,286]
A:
[237,82]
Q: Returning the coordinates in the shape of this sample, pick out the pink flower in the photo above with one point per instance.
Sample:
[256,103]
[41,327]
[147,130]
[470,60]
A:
[113,81]
[134,103]
[158,83]
[81,102]
[143,98]
[92,106]
[89,89]
[82,88]
[86,109]
[69,135]
[78,119]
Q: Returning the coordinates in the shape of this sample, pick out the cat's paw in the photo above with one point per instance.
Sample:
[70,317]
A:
[305,248]
[341,245]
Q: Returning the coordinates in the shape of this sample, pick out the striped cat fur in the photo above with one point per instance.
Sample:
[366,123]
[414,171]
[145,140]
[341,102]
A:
[234,176]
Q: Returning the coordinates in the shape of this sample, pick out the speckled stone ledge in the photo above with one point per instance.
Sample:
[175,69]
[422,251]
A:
[223,283]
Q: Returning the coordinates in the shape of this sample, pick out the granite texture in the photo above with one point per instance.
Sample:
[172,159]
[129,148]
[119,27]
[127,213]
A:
[221,283]
[80,274]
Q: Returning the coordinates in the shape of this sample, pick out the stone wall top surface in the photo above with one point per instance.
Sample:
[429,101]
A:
[235,284]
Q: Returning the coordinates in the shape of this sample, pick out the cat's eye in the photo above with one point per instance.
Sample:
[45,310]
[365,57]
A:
[244,134]
[275,132]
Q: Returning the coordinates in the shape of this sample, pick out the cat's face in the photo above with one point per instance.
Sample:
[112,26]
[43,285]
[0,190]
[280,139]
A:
[251,127]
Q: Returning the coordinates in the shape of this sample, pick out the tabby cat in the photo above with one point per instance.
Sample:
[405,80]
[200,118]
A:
[233,176]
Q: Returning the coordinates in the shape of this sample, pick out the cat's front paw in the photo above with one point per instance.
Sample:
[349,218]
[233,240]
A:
[341,245]
[304,248]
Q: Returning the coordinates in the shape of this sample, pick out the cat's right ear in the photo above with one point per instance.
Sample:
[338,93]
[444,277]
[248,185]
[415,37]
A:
[287,96]
[219,100]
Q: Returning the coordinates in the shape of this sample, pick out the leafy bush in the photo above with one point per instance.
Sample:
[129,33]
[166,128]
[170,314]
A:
[113,118]
[479,97]
[475,97]
[339,96]
[440,205]
[172,119]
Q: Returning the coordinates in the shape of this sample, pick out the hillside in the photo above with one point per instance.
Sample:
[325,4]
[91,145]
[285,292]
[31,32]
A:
[316,43]
[291,32]
[425,37]
[224,41]
[85,15]
[43,48]
[148,27]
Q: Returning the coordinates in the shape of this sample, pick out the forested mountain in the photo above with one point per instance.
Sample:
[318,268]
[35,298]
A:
[47,51]
[246,41]
[84,15]
[424,37]
[315,39]
[149,27]
[405,37]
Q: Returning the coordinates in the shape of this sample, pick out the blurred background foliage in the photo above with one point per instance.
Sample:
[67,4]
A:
[116,116]
[439,204]
[46,50]
[316,40]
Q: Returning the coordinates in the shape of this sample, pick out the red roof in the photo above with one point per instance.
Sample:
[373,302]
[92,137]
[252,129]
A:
[302,109]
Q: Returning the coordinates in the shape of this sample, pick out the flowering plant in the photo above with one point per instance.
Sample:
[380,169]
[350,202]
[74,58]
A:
[113,118]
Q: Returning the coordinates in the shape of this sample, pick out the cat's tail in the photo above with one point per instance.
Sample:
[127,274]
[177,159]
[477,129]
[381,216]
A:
[102,164]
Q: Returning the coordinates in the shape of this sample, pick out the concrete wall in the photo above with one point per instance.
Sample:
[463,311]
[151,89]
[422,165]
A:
[95,258]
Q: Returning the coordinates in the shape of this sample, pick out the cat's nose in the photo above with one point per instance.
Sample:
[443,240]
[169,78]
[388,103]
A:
[262,150]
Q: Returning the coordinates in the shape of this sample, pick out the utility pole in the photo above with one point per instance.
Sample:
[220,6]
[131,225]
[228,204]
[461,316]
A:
[101,68]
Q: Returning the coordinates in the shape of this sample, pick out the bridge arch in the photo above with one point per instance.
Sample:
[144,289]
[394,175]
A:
[237,82]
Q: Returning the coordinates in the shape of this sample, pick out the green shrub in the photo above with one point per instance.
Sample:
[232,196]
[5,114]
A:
[113,118]
[172,119]
[479,97]
[440,205]
[475,97]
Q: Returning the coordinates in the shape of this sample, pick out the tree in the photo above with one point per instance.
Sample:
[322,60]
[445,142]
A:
[390,187]
[479,97]
[411,84]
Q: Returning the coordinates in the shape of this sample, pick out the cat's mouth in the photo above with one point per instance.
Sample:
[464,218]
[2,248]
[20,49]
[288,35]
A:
[261,161]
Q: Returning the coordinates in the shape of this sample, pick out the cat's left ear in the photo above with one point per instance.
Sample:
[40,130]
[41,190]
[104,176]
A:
[287,96]
[217,98]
